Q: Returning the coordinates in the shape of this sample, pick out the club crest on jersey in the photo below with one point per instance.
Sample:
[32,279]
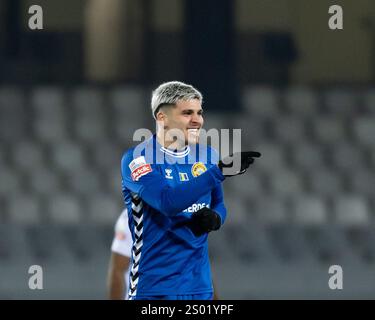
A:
[139,168]
[183,176]
[168,173]
[197,169]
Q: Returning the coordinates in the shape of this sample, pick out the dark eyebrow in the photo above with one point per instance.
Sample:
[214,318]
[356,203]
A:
[191,110]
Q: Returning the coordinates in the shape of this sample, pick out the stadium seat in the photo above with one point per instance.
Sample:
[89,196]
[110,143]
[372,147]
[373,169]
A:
[24,209]
[90,130]
[88,102]
[309,210]
[328,130]
[272,159]
[325,182]
[13,115]
[105,154]
[351,210]
[328,244]
[10,181]
[249,242]
[341,102]
[253,131]
[44,182]
[28,155]
[83,182]
[245,187]
[272,210]
[301,101]
[64,209]
[104,209]
[347,157]
[286,183]
[261,102]
[48,102]
[288,242]
[364,130]
[289,130]
[68,156]
[362,181]
[308,157]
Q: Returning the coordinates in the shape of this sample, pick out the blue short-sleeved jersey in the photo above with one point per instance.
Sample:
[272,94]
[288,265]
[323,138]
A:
[162,189]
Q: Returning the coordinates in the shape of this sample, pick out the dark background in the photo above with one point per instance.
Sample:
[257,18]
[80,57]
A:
[72,94]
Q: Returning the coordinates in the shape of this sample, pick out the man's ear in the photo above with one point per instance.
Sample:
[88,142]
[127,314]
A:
[160,116]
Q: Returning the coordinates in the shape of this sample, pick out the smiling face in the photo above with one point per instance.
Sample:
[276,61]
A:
[185,116]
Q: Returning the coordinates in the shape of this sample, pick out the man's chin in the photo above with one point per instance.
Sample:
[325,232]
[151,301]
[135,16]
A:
[192,140]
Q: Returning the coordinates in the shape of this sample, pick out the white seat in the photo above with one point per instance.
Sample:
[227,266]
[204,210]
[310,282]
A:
[351,210]
[10,181]
[272,159]
[214,121]
[329,130]
[24,209]
[44,181]
[114,182]
[105,154]
[272,210]
[104,209]
[362,182]
[252,130]
[65,209]
[50,130]
[48,101]
[369,101]
[308,156]
[28,155]
[237,210]
[128,98]
[12,99]
[341,102]
[89,129]
[88,102]
[286,183]
[68,156]
[325,182]
[249,185]
[12,114]
[301,100]
[289,129]
[347,157]
[83,182]
[364,130]
[261,101]
[309,210]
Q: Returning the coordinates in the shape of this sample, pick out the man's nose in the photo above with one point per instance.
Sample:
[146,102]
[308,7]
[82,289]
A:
[196,118]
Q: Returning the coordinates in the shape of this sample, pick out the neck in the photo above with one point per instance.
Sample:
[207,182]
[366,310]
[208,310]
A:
[163,140]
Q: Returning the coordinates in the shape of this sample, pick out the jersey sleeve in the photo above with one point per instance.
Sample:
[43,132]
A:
[217,197]
[217,203]
[122,241]
[145,180]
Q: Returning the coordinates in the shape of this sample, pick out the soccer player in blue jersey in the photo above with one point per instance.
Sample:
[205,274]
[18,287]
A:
[172,189]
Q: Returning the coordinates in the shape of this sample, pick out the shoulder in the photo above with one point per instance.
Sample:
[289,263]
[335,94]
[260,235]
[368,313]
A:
[144,149]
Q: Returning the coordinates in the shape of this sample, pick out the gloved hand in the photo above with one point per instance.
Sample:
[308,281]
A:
[245,158]
[204,221]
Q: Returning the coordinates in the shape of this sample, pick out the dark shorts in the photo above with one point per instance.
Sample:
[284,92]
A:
[200,296]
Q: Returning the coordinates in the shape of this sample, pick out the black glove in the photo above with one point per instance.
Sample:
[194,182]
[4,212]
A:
[204,221]
[246,158]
